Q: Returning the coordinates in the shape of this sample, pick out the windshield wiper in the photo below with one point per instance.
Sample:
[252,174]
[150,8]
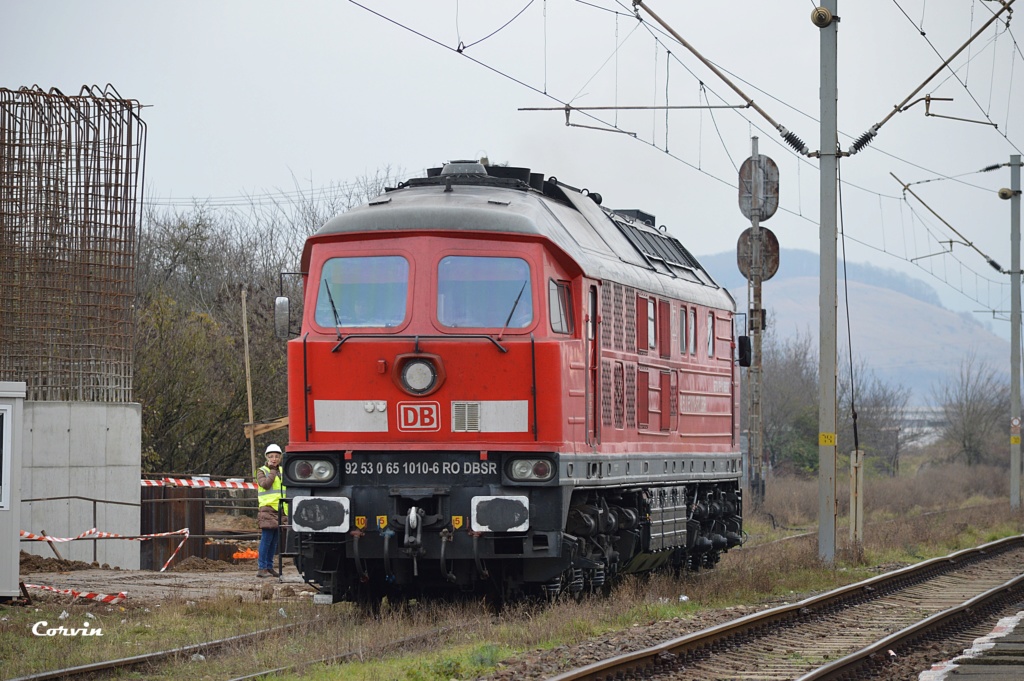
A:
[513,310]
[334,309]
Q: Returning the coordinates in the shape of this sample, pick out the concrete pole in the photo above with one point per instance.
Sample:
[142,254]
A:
[1015,332]
[857,501]
[827,507]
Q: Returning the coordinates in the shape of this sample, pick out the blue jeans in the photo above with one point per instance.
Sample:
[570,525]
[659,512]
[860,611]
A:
[268,549]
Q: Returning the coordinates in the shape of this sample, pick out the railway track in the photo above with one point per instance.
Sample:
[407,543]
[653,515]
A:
[826,636]
[160,657]
[234,644]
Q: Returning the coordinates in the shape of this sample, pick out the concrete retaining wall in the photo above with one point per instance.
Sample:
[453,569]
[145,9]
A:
[82,449]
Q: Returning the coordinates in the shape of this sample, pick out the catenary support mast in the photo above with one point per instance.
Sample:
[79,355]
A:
[828,161]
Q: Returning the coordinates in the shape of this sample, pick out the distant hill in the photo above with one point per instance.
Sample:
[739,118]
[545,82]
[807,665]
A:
[796,264]
[900,327]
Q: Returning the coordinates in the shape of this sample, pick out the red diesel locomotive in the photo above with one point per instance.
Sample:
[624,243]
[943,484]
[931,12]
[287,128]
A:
[501,386]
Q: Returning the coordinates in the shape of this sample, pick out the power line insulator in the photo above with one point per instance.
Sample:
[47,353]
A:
[821,17]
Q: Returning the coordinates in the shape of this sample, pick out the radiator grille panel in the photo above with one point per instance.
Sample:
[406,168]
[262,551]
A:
[465,417]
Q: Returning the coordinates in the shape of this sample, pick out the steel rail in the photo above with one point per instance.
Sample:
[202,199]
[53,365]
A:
[644,661]
[398,644]
[246,639]
[973,609]
[162,655]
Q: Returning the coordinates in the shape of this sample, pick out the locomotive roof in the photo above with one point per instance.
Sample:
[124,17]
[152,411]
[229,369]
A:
[621,246]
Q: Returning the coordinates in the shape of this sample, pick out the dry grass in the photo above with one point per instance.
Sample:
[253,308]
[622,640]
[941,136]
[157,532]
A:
[792,502]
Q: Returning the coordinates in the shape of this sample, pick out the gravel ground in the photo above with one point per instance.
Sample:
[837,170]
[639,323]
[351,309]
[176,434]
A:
[544,664]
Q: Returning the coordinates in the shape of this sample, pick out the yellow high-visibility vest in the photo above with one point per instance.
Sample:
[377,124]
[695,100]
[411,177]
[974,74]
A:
[271,497]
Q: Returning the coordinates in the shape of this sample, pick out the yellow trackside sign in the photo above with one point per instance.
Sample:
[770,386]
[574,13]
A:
[457,522]
[382,521]
[826,439]
[361,522]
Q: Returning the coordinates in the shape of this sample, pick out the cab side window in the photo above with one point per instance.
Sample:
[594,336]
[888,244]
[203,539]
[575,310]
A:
[693,331]
[560,306]
[683,339]
[711,334]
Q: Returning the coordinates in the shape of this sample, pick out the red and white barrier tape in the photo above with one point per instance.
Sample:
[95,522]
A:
[38,537]
[188,482]
[96,534]
[102,598]
[183,540]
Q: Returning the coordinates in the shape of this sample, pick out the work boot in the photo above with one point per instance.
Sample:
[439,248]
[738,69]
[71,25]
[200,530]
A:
[264,573]
[274,573]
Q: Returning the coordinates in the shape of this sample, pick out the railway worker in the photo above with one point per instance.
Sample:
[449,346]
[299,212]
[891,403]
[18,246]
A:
[271,492]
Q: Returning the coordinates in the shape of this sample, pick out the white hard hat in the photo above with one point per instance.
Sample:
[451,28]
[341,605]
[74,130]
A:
[272,448]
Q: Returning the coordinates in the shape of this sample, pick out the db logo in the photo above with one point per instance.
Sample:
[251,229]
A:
[419,416]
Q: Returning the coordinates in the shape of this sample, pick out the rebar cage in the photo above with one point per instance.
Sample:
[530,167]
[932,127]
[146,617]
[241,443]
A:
[70,172]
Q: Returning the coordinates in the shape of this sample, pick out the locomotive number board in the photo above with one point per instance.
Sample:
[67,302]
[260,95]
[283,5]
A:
[438,468]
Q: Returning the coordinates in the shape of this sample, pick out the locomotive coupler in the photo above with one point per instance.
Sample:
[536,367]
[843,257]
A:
[480,567]
[414,524]
[446,537]
[413,540]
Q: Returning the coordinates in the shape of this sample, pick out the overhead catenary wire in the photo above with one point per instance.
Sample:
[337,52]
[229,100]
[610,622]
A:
[789,137]
[616,13]
[966,241]
[613,55]
[879,194]
[872,132]
[814,119]
[497,30]
[675,157]
[265,196]
[986,169]
[846,300]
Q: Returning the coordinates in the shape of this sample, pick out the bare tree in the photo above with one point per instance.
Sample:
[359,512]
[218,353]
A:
[789,401]
[880,409]
[973,402]
[189,359]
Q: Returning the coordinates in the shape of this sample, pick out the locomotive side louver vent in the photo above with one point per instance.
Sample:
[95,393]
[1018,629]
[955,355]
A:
[620,388]
[618,323]
[629,318]
[607,318]
[465,417]
[631,395]
[606,393]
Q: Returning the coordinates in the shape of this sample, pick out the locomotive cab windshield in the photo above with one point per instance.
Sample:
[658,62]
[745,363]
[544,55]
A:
[484,292]
[363,292]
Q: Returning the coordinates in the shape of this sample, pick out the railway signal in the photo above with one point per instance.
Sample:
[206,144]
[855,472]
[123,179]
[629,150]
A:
[757,254]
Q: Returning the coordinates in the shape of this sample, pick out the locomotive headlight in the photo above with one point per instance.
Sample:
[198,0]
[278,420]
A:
[419,376]
[323,470]
[530,470]
[312,470]
[418,373]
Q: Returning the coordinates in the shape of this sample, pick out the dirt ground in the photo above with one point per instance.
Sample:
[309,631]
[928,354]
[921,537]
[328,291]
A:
[192,578]
[225,522]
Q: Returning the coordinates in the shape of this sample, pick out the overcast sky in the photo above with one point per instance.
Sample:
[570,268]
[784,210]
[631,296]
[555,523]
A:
[253,97]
